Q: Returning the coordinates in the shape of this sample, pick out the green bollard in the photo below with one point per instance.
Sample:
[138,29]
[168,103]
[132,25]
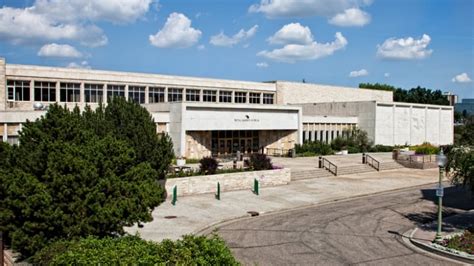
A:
[255,186]
[175,195]
[218,194]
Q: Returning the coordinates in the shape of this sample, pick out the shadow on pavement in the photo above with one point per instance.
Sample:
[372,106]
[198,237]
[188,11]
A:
[456,200]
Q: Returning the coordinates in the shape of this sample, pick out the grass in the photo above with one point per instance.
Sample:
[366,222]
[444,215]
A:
[464,242]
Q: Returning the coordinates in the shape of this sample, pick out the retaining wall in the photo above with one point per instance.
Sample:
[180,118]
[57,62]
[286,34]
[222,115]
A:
[234,181]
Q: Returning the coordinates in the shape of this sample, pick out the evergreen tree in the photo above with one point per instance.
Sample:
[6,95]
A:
[77,174]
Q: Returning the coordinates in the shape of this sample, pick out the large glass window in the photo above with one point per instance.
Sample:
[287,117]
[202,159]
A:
[156,94]
[175,95]
[267,98]
[94,93]
[225,96]
[254,97]
[45,91]
[136,94]
[192,95]
[209,96]
[114,91]
[70,92]
[18,90]
[240,97]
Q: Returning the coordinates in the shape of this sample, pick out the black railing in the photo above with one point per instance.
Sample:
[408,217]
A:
[371,161]
[329,166]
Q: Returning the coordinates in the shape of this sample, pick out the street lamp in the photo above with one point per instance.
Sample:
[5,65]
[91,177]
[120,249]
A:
[441,160]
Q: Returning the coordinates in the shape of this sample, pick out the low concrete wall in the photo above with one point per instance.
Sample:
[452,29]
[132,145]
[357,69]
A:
[234,181]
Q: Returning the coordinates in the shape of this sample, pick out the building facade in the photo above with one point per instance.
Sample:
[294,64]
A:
[212,117]
[466,106]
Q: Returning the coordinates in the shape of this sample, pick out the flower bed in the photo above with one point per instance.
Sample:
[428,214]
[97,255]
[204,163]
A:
[463,242]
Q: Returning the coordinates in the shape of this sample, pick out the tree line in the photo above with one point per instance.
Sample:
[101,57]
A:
[413,95]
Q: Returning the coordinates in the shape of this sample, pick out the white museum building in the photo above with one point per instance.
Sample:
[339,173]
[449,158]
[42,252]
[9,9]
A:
[214,117]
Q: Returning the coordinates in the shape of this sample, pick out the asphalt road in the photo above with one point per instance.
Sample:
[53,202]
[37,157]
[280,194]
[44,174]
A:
[361,231]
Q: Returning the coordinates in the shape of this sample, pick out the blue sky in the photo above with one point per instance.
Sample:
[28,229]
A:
[404,43]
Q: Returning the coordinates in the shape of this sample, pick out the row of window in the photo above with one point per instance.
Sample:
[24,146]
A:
[19,90]
[323,135]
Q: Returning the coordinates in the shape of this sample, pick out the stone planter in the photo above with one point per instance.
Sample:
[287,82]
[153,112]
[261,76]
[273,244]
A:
[233,181]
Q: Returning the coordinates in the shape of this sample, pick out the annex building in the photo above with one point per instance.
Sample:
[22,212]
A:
[216,117]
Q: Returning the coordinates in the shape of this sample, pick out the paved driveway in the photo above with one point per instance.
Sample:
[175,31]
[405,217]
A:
[362,231]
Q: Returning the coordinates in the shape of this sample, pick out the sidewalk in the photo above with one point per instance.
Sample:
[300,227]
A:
[195,213]
[423,235]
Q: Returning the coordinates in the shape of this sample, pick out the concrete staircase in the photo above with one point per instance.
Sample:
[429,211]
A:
[390,165]
[352,163]
[386,161]
[308,174]
[354,169]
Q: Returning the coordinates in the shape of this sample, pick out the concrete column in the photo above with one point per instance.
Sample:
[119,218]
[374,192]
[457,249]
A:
[261,98]
[233,95]
[32,90]
[166,94]
[104,91]
[58,91]
[3,83]
[147,92]
[126,92]
[247,97]
[200,96]
[81,94]
[5,132]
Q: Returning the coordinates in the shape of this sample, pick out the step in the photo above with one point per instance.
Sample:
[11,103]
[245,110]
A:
[308,174]
[354,169]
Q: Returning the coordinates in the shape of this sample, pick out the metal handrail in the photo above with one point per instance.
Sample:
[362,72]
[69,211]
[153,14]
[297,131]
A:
[371,163]
[324,160]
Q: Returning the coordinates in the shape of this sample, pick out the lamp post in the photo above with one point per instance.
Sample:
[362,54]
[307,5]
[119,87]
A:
[441,161]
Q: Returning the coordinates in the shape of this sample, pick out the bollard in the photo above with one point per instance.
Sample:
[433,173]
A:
[320,162]
[218,194]
[175,195]
[255,186]
[234,163]
[364,159]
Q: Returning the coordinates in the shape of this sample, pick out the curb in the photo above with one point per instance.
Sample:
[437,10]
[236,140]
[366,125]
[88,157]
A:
[437,252]
[206,230]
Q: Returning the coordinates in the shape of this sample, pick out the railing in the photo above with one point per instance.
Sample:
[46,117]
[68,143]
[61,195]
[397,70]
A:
[371,161]
[416,158]
[329,166]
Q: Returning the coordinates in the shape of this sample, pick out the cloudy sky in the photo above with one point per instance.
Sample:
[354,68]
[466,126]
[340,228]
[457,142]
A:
[404,43]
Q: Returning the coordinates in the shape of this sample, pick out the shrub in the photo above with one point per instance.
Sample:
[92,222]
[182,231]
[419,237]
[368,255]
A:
[381,148]
[132,250]
[260,161]
[461,166]
[314,147]
[353,149]
[208,165]
[426,148]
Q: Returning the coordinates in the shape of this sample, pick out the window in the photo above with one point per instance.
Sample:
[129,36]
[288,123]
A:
[209,96]
[94,93]
[156,94]
[316,135]
[192,95]
[136,94]
[310,135]
[45,91]
[18,90]
[225,96]
[175,95]
[267,98]
[240,97]
[254,97]
[70,92]
[114,91]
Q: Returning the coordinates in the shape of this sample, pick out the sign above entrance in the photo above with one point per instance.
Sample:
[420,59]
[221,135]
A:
[246,119]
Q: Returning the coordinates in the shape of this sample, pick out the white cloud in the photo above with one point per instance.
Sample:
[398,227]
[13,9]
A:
[405,49]
[351,17]
[358,73]
[26,26]
[262,65]
[293,33]
[298,50]
[177,33]
[223,40]
[342,12]
[116,11]
[387,75]
[81,65]
[59,50]
[461,78]
[53,20]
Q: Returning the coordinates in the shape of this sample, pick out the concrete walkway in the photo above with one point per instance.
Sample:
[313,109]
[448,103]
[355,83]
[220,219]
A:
[195,213]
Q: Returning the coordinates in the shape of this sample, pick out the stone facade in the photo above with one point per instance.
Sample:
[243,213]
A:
[278,139]
[235,181]
[3,84]
[198,144]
